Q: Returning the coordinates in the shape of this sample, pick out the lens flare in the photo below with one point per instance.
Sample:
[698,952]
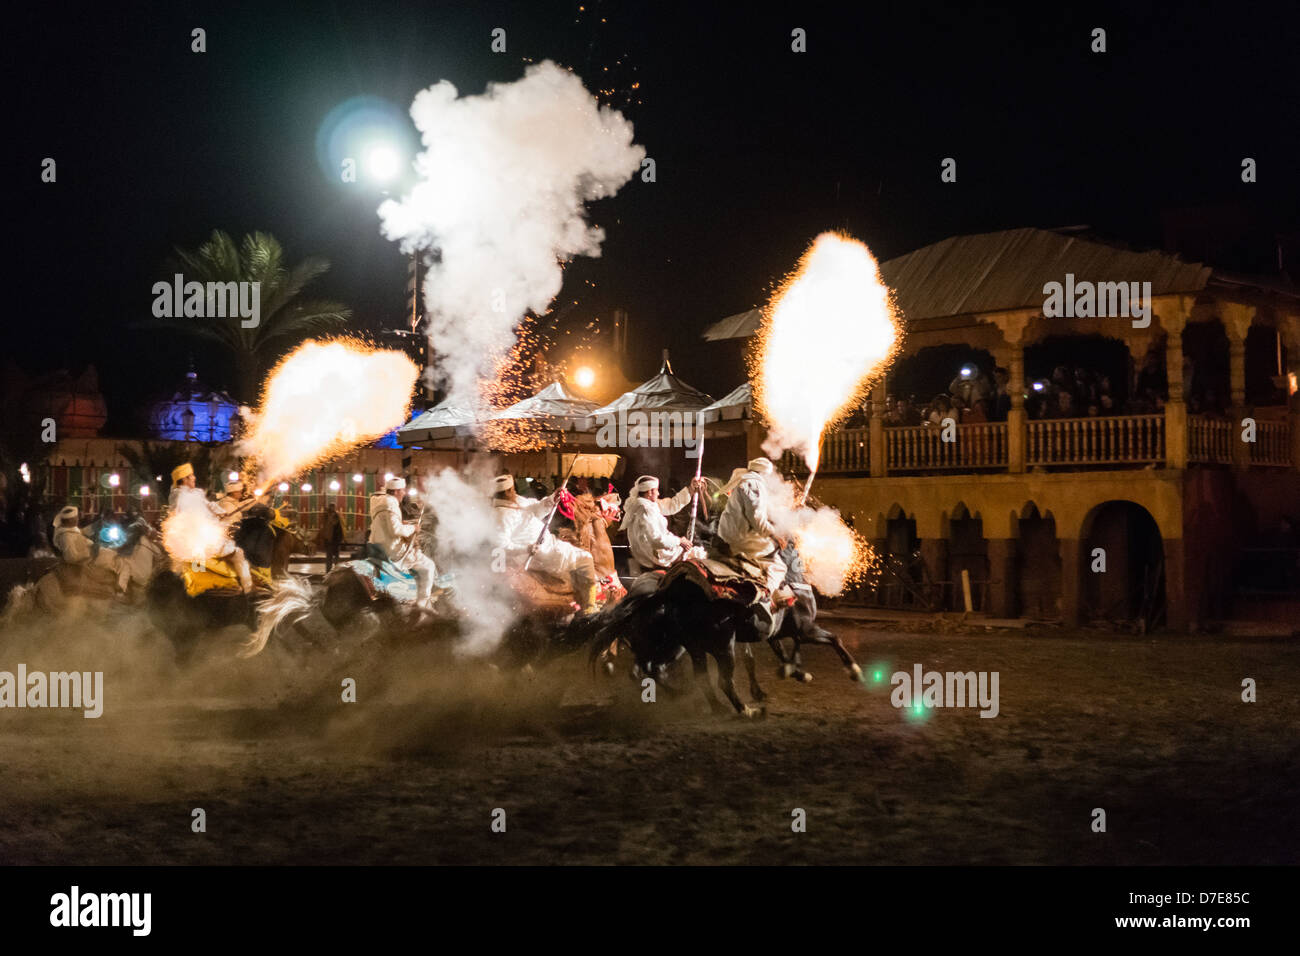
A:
[827,334]
[323,400]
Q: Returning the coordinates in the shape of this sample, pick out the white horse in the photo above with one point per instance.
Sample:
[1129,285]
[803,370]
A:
[129,573]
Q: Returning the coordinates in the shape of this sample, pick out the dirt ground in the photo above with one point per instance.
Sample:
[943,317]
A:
[1152,730]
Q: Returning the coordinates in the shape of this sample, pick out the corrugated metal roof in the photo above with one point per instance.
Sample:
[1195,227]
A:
[737,326]
[999,271]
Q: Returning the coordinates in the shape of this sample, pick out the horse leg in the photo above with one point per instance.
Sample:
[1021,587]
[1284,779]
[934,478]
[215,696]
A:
[787,668]
[702,679]
[726,658]
[755,691]
[821,636]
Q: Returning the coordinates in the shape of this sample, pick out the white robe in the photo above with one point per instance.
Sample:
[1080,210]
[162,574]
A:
[397,538]
[748,531]
[645,522]
[519,522]
[72,544]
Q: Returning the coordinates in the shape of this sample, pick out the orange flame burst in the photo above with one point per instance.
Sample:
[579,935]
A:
[827,334]
[325,398]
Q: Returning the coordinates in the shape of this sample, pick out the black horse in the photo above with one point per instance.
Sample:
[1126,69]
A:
[684,611]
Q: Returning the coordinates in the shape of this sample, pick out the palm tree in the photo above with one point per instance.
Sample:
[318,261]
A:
[285,319]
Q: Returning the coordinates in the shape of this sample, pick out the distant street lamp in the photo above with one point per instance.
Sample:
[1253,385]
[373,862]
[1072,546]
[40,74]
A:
[187,423]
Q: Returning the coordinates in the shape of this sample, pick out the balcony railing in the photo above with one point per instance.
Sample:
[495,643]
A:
[1209,439]
[846,450]
[924,449]
[1072,443]
[1122,439]
[1272,444]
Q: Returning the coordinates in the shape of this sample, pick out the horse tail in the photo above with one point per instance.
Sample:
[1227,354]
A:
[291,602]
[615,622]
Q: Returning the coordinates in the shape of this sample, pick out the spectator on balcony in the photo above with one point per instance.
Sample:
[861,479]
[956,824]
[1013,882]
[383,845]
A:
[1001,394]
[977,414]
[1151,379]
[969,386]
[909,416]
[1063,407]
[940,408]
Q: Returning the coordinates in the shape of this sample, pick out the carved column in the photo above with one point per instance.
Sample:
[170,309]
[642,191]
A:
[1236,322]
[1012,355]
[1173,319]
[876,436]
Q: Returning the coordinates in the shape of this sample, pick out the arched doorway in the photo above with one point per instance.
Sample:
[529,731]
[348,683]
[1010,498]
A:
[1038,565]
[1126,538]
[968,551]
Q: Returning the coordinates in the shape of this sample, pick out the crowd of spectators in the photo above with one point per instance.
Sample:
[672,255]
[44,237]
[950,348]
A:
[1070,392]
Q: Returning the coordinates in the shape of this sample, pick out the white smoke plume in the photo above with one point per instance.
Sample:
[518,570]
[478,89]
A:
[833,555]
[503,183]
[466,537]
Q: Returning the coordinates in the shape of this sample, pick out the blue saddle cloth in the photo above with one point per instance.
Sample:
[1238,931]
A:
[388,578]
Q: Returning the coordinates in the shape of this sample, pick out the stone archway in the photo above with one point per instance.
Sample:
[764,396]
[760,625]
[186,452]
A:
[1123,537]
[968,550]
[1038,564]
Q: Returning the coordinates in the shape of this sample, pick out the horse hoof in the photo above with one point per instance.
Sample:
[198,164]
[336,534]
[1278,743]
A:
[609,668]
[855,673]
[750,713]
[805,677]
[787,670]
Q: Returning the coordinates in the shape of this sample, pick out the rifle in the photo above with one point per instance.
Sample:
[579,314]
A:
[546,525]
[699,464]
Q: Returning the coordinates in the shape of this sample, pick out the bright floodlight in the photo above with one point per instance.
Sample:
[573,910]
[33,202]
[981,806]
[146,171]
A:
[584,377]
[114,479]
[144,491]
[334,484]
[232,476]
[284,486]
[382,163]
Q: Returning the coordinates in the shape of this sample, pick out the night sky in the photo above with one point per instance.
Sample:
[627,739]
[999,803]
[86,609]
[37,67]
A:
[757,148]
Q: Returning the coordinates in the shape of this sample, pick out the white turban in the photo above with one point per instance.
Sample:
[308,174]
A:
[68,511]
[234,485]
[763,466]
[503,482]
[644,484]
[394,484]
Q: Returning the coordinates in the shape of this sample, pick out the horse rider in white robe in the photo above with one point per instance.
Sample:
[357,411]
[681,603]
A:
[186,496]
[400,539]
[521,522]
[746,528]
[645,522]
[72,543]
